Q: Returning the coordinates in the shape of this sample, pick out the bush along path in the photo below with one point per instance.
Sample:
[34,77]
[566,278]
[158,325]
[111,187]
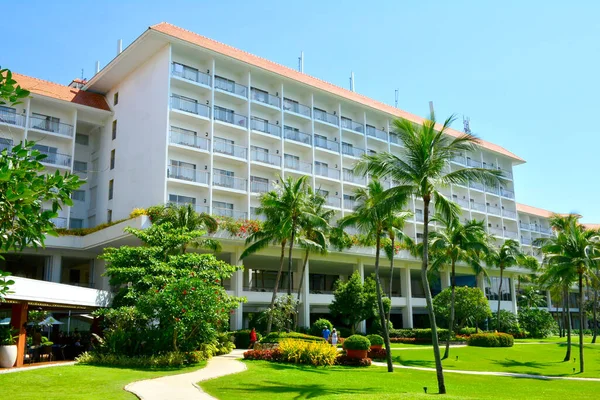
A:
[184,386]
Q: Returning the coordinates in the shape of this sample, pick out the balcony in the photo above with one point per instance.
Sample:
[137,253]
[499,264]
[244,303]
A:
[332,201]
[230,117]
[493,210]
[230,182]
[326,144]
[395,139]
[526,241]
[228,212]
[260,96]
[353,126]
[297,136]
[10,116]
[419,217]
[296,108]
[496,232]
[323,116]
[510,234]
[376,133]
[509,194]
[349,204]
[327,172]
[267,158]
[257,186]
[296,165]
[255,215]
[50,124]
[462,202]
[481,207]
[57,159]
[492,189]
[476,185]
[187,174]
[224,146]
[199,209]
[350,177]
[192,107]
[190,74]
[458,159]
[524,225]
[260,125]
[60,222]
[546,231]
[473,163]
[352,151]
[226,85]
[188,139]
[509,214]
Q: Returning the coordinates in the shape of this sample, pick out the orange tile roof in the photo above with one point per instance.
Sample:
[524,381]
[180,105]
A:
[61,92]
[279,69]
[591,226]
[534,210]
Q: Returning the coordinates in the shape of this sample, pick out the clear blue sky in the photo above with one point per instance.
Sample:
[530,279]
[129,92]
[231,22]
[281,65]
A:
[526,74]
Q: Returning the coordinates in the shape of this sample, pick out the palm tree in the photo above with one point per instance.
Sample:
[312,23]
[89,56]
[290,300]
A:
[395,233]
[456,242]
[372,215]
[421,171]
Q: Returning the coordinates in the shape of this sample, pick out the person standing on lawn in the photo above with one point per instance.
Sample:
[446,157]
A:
[326,333]
[334,337]
[252,337]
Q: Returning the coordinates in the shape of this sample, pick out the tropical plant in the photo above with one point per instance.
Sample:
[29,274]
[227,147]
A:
[469,306]
[421,171]
[319,325]
[282,313]
[531,296]
[538,322]
[349,301]
[357,342]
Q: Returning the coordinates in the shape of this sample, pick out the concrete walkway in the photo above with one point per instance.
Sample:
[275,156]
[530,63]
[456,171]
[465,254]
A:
[32,367]
[184,386]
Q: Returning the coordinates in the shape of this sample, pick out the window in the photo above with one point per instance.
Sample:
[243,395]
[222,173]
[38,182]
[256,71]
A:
[50,152]
[224,114]
[321,168]
[114,129]
[178,199]
[83,140]
[182,170]
[491,291]
[111,185]
[260,124]
[80,166]
[185,104]
[112,159]
[225,146]
[76,223]
[290,105]
[260,95]
[78,195]
[224,84]
[8,115]
[45,122]
[116,98]
[259,184]
[292,161]
[109,216]
[320,141]
[260,154]
[347,148]
[224,178]
[222,208]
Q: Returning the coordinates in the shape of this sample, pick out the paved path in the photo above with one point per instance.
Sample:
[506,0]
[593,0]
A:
[184,386]
[30,367]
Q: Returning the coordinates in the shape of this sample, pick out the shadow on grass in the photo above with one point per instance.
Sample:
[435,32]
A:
[508,363]
[415,363]
[309,391]
[297,367]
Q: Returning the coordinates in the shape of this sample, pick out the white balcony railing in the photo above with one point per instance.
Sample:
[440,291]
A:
[229,86]
[189,139]
[187,174]
[192,107]
[302,166]
[231,213]
[297,136]
[295,107]
[350,177]
[509,194]
[478,206]
[493,210]
[225,147]
[333,201]
[376,133]
[267,158]
[325,117]
[327,144]
[59,222]
[473,163]
[191,74]
[510,234]
[526,241]
[476,185]
[509,214]
[265,98]
[353,126]
[58,159]
[230,117]
[231,182]
[260,187]
[265,127]
[352,151]
[50,125]
[10,116]
[327,172]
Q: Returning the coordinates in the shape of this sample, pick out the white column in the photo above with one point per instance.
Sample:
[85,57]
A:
[407,313]
[237,281]
[513,291]
[304,311]
[549,300]
[360,267]
[445,279]
[56,268]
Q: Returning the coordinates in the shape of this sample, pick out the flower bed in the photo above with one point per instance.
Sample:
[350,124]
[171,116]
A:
[352,362]
[377,354]
[297,352]
[276,337]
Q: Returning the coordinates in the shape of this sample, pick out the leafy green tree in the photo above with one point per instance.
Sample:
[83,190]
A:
[421,171]
[349,301]
[471,307]
[538,322]
[282,314]
[531,297]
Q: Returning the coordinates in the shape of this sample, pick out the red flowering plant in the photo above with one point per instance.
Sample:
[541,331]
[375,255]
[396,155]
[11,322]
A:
[241,228]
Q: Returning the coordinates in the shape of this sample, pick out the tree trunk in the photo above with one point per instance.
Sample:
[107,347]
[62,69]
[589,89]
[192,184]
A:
[393,238]
[300,287]
[276,288]
[581,323]
[424,265]
[290,262]
[499,299]
[563,314]
[386,334]
[452,300]
[560,317]
[568,307]
[595,316]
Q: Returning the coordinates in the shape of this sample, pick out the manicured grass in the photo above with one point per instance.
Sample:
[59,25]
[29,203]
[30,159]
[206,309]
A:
[556,339]
[78,382]
[542,359]
[265,380]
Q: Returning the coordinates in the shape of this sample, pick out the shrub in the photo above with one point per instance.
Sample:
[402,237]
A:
[170,359]
[264,355]
[276,337]
[491,340]
[467,331]
[7,336]
[352,362]
[224,343]
[317,328]
[508,322]
[420,335]
[539,323]
[377,354]
[241,338]
[311,353]
[357,342]
[376,340]
[137,212]
[375,327]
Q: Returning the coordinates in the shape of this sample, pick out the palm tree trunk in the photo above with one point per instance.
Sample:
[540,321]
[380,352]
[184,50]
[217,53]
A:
[393,238]
[561,320]
[300,286]
[563,314]
[424,265]
[270,320]
[581,322]
[386,334]
[568,307]
[595,316]
[452,300]
[290,262]
[499,299]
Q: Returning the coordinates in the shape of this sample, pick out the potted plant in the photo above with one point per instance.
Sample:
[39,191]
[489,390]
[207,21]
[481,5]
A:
[8,347]
[357,346]
[376,341]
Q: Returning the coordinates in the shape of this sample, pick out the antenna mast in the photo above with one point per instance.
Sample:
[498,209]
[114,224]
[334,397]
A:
[396,92]
[467,124]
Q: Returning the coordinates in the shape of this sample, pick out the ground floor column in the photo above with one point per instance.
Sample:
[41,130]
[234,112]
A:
[56,268]
[360,268]
[18,321]
[407,312]
[237,281]
[513,291]
[445,279]
[304,307]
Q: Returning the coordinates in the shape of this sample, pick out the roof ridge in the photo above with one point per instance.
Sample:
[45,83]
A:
[44,81]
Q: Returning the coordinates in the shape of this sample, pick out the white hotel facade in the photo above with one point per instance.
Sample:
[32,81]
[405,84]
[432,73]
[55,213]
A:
[177,117]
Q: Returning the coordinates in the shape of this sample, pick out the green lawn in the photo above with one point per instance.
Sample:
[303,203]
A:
[542,359]
[265,380]
[78,382]
[556,339]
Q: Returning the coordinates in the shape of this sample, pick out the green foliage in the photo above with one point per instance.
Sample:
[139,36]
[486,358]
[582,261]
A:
[508,322]
[352,361]
[242,338]
[282,313]
[470,307]
[351,302]
[7,335]
[539,323]
[316,353]
[497,339]
[376,340]
[10,92]
[88,231]
[357,342]
[170,359]
[419,334]
[467,331]
[277,337]
[317,328]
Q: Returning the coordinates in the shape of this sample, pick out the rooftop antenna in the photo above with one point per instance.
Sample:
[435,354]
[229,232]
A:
[396,92]
[97,66]
[352,81]
[467,124]
[81,73]
[431,111]
[301,62]
[119,46]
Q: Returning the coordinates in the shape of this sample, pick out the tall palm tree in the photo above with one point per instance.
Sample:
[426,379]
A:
[371,217]
[456,242]
[395,233]
[422,170]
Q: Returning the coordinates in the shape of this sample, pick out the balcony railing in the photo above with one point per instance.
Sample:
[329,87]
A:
[350,177]
[292,163]
[476,185]
[478,206]
[546,231]
[509,214]
[327,144]
[376,133]
[349,204]
[493,210]
[228,212]
[459,159]
[511,234]
[419,217]
[231,87]
[187,174]
[61,160]
[473,163]
[506,173]
[231,117]
[231,182]
[327,172]
[59,222]
[225,147]
[492,189]
[190,140]
[265,127]
[190,74]
[352,151]
[325,117]
[267,158]
[260,187]
[296,108]
[265,98]
[353,126]
[462,202]
[12,118]
[297,136]
[524,225]
[496,232]
[333,201]
[509,194]
[395,139]
[193,107]
[526,241]
[47,125]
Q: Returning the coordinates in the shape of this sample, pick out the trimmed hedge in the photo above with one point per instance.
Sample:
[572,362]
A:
[167,360]
[420,335]
[376,340]
[242,338]
[317,328]
[467,331]
[357,342]
[352,362]
[497,339]
[276,337]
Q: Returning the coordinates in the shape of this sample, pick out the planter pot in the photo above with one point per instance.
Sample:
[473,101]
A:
[8,356]
[376,346]
[356,353]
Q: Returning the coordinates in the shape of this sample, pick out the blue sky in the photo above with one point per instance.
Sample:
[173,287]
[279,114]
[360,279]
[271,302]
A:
[525,74]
